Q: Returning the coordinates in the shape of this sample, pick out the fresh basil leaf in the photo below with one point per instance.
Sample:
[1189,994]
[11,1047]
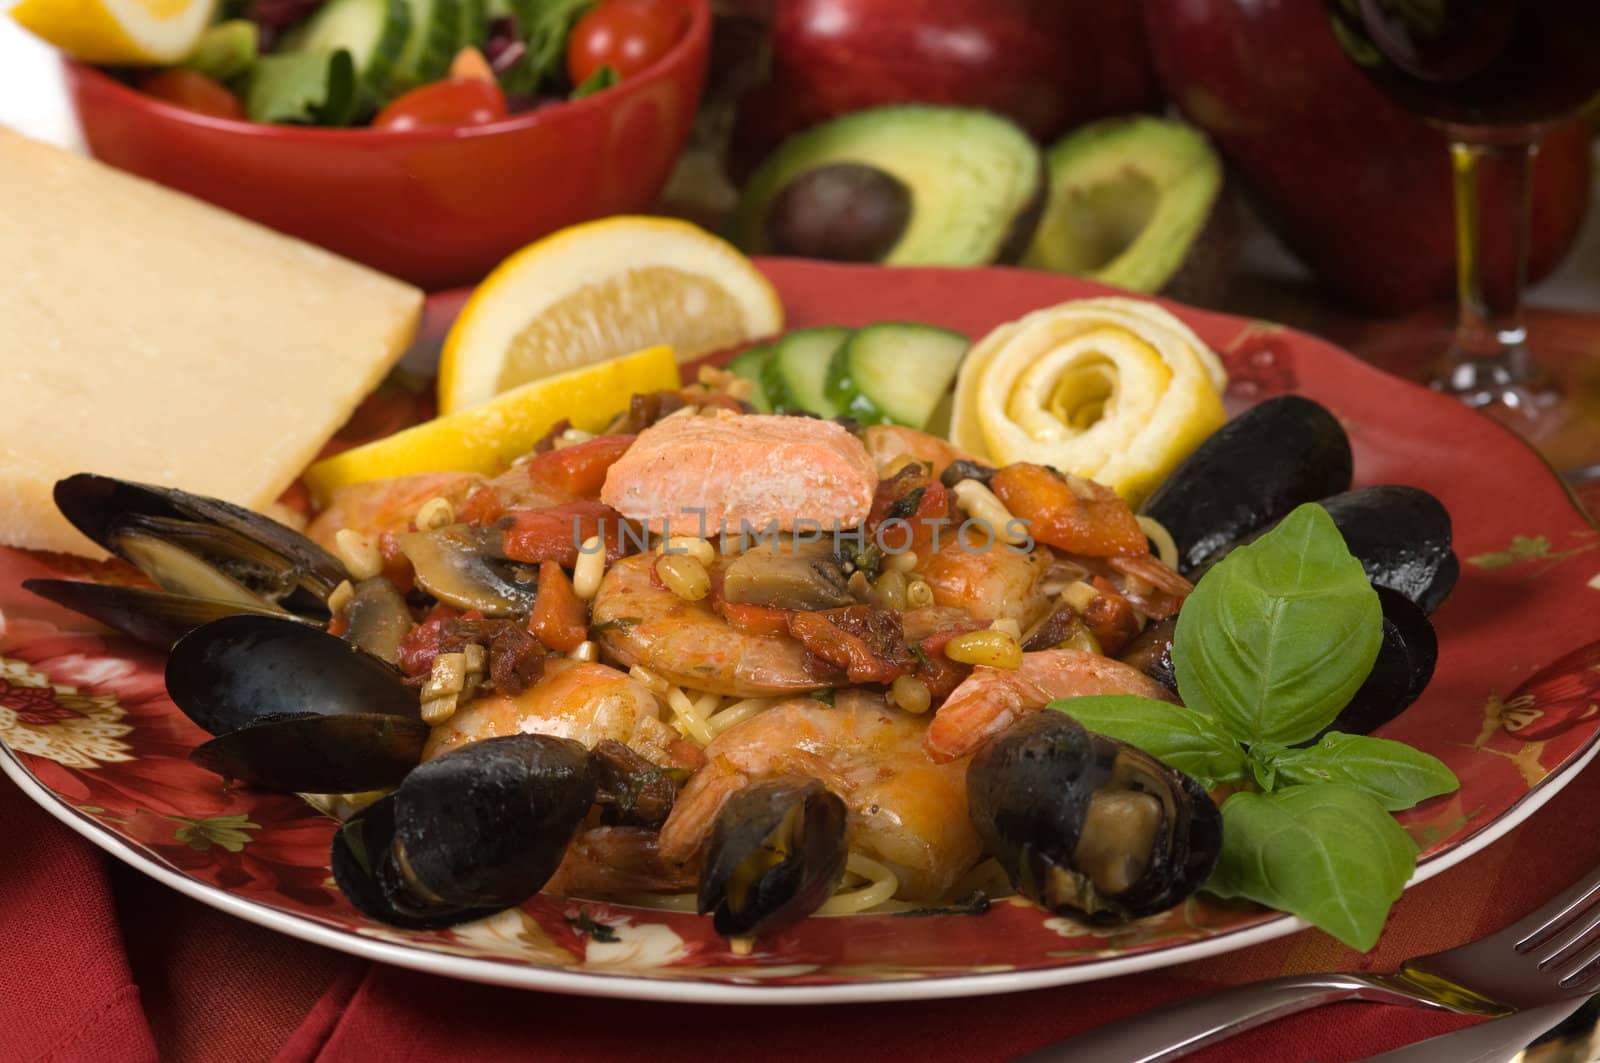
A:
[317,87]
[598,81]
[1185,739]
[1328,854]
[1279,635]
[1391,773]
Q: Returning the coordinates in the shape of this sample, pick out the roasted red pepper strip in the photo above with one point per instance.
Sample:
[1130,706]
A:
[911,495]
[578,470]
[1110,618]
[867,643]
[555,532]
[421,644]
[760,620]
[396,565]
[1082,517]
[560,619]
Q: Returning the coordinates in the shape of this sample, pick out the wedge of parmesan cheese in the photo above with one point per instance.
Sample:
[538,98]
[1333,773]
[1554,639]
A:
[148,335]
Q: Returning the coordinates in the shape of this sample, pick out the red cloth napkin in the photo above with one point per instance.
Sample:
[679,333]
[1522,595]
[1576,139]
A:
[206,987]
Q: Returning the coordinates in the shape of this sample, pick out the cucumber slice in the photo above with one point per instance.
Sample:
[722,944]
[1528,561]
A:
[429,46]
[797,373]
[894,373]
[751,365]
[372,31]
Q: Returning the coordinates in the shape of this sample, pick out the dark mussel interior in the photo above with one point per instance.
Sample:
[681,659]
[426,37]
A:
[777,852]
[267,688]
[1250,473]
[1083,823]
[478,829]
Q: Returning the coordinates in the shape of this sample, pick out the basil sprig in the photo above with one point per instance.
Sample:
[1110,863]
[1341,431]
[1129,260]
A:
[1272,644]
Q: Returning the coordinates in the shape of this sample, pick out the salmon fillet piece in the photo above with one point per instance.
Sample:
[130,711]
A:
[742,467]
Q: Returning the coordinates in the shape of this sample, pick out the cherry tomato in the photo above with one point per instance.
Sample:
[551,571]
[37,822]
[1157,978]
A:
[626,35]
[454,102]
[195,92]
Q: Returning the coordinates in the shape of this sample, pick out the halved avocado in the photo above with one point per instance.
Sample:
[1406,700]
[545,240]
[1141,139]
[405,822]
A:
[1129,198]
[904,185]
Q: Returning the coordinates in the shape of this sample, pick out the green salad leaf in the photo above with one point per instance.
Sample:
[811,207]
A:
[598,81]
[1327,853]
[1184,738]
[317,87]
[226,49]
[1391,773]
[544,26]
[1279,635]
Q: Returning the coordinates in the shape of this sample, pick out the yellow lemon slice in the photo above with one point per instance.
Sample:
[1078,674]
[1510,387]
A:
[485,438]
[1116,390]
[598,290]
[138,32]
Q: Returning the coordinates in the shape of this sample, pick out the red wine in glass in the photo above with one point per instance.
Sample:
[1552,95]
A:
[1494,75]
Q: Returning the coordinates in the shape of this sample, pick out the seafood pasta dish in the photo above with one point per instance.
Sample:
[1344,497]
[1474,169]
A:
[756,665]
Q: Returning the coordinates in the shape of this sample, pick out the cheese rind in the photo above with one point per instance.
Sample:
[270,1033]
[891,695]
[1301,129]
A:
[150,336]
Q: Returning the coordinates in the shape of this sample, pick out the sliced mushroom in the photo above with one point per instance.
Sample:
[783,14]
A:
[462,565]
[782,580]
[378,618]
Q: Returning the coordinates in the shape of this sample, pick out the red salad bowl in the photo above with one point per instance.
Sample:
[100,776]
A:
[437,207]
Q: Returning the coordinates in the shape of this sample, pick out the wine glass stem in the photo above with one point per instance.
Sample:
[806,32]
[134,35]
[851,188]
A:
[1488,362]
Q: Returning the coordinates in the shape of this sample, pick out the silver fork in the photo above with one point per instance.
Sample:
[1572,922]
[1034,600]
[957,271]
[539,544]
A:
[1550,955]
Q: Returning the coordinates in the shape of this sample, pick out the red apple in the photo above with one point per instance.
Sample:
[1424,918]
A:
[1049,64]
[1355,186]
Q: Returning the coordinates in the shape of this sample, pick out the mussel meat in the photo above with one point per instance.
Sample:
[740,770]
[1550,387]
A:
[1249,474]
[294,708]
[1087,824]
[776,853]
[467,834]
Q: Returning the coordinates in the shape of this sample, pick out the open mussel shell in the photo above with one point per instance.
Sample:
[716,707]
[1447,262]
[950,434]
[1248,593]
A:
[1250,473]
[776,854]
[154,617]
[1405,664]
[469,833]
[191,544]
[243,670]
[1402,537]
[1086,824]
[319,754]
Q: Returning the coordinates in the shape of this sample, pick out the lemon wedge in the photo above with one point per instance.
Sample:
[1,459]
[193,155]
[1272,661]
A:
[598,290]
[485,438]
[1116,390]
[129,32]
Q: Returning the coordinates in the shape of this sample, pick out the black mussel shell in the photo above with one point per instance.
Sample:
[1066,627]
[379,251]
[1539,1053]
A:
[360,845]
[1083,823]
[243,670]
[1151,653]
[1251,472]
[486,825]
[776,854]
[319,754]
[99,505]
[154,617]
[1402,537]
[1405,663]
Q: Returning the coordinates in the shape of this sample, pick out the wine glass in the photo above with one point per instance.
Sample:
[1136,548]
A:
[1494,75]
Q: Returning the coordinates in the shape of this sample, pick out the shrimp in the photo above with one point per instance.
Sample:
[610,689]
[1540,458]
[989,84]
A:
[890,445]
[989,583]
[379,506]
[723,471]
[991,699]
[643,623]
[905,811]
[573,699]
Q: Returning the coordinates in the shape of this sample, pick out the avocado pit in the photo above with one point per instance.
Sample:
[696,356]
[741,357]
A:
[844,212]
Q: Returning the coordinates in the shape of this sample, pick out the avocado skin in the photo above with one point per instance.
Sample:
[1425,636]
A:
[977,182]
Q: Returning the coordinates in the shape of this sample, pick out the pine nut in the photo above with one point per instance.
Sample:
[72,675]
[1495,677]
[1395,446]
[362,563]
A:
[435,513]
[980,503]
[590,567]
[358,552]
[918,594]
[901,562]
[340,597]
[890,590]
[684,576]
[1079,595]
[691,546]
[585,651]
[911,694]
[996,649]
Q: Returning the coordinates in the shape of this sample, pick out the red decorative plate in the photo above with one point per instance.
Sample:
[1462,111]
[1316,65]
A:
[91,736]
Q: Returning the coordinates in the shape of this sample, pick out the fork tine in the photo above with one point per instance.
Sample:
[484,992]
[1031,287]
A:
[1579,965]
[1536,928]
[1564,939]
